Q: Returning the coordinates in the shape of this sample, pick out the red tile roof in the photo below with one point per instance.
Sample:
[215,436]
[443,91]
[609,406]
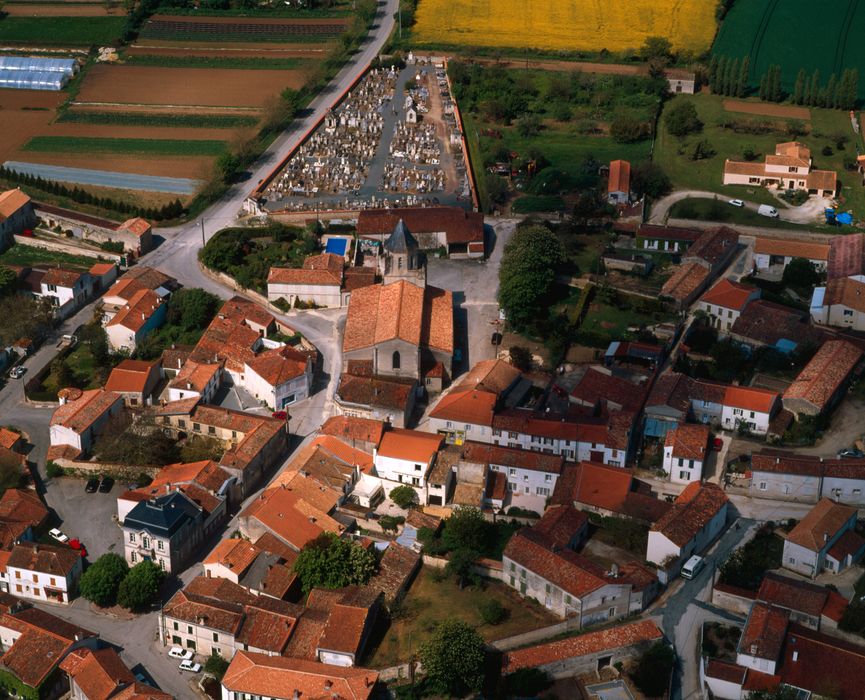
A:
[61,277]
[492,376]
[847,292]
[692,510]
[410,445]
[319,270]
[400,310]
[560,523]
[99,674]
[276,676]
[383,392]
[9,438]
[18,505]
[100,269]
[459,225]
[824,665]
[141,306]
[290,517]
[279,365]
[587,644]
[688,440]
[685,280]
[620,176]
[137,226]
[80,414]
[848,545]
[714,246]
[791,248]
[764,632]
[11,201]
[352,428]
[750,398]
[827,371]
[131,376]
[728,294]
[511,457]
[786,592]
[234,554]
[726,671]
[824,520]
[596,386]
[470,406]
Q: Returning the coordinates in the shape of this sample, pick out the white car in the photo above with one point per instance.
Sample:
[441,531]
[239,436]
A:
[58,535]
[189,666]
[737,202]
[17,372]
[179,653]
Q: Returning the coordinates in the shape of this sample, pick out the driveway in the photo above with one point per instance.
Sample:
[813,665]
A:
[808,213]
[87,516]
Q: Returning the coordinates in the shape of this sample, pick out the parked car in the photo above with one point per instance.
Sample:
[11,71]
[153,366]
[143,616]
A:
[180,653]
[106,485]
[77,545]
[737,202]
[766,210]
[717,444]
[496,338]
[92,485]
[189,666]
[58,535]
[692,567]
[850,453]
[282,415]
[17,372]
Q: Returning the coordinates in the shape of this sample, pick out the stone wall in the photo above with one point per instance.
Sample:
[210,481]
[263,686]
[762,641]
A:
[68,248]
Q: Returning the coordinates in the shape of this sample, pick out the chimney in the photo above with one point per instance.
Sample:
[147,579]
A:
[753,649]
[795,656]
[328,684]
[825,537]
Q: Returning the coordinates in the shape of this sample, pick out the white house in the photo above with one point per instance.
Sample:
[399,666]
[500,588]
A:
[142,314]
[318,282]
[841,303]
[281,376]
[685,451]
[406,457]
[763,637]
[725,301]
[196,379]
[697,517]
[779,252]
[749,408]
[44,573]
[67,290]
[824,539]
[531,476]
[81,416]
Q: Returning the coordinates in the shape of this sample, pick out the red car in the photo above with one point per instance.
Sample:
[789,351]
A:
[717,444]
[75,544]
[282,415]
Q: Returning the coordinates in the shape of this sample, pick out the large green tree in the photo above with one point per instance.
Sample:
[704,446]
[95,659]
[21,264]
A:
[8,280]
[681,118]
[192,309]
[24,317]
[467,528]
[99,584]
[331,562]
[652,675]
[453,658]
[527,274]
[141,586]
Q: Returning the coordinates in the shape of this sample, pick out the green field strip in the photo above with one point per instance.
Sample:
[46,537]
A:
[158,147]
[61,31]
[164,119]
[241,62]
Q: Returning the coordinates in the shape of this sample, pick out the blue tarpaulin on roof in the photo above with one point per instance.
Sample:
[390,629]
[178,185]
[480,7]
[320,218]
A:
[785,346]
[336,246]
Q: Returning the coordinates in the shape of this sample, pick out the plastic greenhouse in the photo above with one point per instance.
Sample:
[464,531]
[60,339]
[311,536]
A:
[30,73]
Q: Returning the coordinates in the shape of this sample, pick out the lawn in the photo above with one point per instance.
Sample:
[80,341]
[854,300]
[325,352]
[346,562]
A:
[61,31]
[673,154]
[28,256]
[704,209]
[432,599]
[762,29]
[84,373]
[610,318]
[95,144]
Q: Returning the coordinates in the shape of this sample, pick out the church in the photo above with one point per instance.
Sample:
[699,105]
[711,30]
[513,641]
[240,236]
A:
[402,328]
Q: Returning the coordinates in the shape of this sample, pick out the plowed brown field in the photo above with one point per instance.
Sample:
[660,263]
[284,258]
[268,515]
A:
[26,9]
[227,51]
[186,86]
[18,125]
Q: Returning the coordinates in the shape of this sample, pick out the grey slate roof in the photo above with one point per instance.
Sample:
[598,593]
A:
[162,516]
[401,240]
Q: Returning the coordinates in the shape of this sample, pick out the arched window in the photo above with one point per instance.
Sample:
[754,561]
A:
[395,360]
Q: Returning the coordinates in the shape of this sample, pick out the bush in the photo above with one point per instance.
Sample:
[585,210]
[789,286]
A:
[330,562]
[626,129]
[216,666]
[404,496]
[53,470]
[652,675]
[681,119]
[389,522]
[521,358]
[492,612]
[827,151]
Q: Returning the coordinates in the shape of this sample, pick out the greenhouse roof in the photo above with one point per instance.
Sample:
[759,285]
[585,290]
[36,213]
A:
[35,64]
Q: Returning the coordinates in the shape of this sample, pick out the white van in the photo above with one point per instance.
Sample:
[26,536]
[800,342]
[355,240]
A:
[766,210]
[692,567]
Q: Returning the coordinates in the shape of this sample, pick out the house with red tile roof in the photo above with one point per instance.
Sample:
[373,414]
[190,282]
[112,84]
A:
[81,416]
[619,182]
[35,643]
[685,284]
[43,572]
[22,514]
[841,303]
[763,638]
[779,252]
[196,379]
[460,231]
[586,653]
[809,605]
[786,476]
[696,519]
[685,450]
[825,539]
[406,457]
[713,249]
[379,398]
[599,387]
[144,313]
[788,168]
[766,324]
[16,214]
[608,491]
[665,239]
[67,290]
[134,280]
[134,380]
[725,301]
[262,567]
[360,433]
[318,281]
[103,275]
[824,380]
[100,674]
[280,678]
[748,408]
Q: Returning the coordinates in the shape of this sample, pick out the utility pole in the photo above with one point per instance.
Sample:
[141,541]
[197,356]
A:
[202,232]
[399,14]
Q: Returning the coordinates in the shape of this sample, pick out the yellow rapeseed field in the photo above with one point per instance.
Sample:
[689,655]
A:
[588,25]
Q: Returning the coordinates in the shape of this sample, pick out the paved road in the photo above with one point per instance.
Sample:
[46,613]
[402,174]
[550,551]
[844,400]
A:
[687,607]
[809,213]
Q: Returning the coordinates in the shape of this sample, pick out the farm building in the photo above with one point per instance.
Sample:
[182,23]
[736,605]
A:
[16,213]
[681,81]
[136,234]
[619,185]
[30,73]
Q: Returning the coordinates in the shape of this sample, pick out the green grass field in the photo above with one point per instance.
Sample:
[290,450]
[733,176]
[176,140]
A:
[177,119]
[795,34]
[61,31]
[704,209]
[94,144]
[26,255]
[258,63]
[673,154]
